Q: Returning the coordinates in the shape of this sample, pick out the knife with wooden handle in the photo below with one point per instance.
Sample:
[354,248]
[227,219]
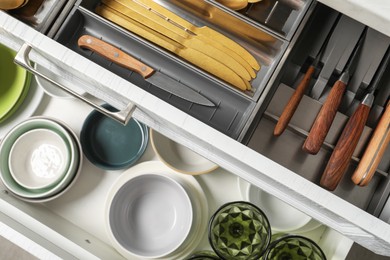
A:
[374,151]
[346,145]
[197,58]
[328,111]
[149,74]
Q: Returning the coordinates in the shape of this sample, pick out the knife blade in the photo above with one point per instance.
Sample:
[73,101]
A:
[148,73]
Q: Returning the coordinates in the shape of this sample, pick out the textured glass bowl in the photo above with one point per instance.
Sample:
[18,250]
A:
[239,230]
[294,247]
[203,255]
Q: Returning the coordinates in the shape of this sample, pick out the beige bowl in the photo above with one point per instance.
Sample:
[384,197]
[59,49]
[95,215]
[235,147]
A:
[178,157]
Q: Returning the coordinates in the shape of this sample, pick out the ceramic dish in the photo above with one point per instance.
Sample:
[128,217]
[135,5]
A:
[14,83]
[110,145]
[26,109]
[151,215]
[39,159]
[277,210]
[53,90]
[11,137]
[71,182]
[179,157]
[198,200]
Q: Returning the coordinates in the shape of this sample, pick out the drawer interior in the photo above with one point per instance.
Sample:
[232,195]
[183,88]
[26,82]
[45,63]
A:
[286,149]
[233,107]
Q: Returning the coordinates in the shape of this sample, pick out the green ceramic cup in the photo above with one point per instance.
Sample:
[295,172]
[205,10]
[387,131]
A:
[294,247]
[239,230]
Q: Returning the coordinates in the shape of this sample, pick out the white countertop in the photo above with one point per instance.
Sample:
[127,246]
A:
[374,13]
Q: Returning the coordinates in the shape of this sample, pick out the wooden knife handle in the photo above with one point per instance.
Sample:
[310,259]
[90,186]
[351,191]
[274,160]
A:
[115,55]
[293,102]
[374,151]
[345,147]
[324,119]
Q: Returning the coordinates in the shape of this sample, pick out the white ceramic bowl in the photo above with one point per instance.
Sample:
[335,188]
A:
[179,157]
[14,134]
[39,159]
[282,216]
[150,216]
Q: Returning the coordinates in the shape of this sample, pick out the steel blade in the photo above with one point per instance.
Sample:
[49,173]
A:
[178,89]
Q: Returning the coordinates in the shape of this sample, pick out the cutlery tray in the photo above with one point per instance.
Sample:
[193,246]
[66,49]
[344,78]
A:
[233,107]
[286,149]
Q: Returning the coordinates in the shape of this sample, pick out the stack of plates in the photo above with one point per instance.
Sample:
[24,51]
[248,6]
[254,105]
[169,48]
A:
[14,83]
[40,159]
[133,227]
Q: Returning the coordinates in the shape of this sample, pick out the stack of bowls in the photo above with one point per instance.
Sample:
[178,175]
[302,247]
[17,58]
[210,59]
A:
[152,212]
[14,84]
[40,158]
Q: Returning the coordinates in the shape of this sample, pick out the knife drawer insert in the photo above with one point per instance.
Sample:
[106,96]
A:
[233,107]
[286,149]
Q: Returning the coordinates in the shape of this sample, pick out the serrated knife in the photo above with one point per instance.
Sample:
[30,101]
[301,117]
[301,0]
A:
[151,75]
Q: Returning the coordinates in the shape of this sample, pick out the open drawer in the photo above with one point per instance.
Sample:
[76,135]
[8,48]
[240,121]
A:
[253,166]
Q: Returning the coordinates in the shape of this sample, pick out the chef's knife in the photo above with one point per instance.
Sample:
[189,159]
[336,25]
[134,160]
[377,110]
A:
[374,151]
[328,111]
[148,73]
[350,136]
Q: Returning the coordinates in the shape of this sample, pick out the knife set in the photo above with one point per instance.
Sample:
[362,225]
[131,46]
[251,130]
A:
[337,109]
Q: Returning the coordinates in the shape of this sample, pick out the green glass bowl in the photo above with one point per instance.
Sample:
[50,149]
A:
[294,247]
[239,230]
[203,255]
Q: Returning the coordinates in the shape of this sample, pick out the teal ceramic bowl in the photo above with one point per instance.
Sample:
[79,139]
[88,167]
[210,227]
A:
[110,145]
[14,134]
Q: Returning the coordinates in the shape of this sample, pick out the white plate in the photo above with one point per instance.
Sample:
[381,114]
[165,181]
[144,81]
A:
[277,210]
[198,200]
[53,90]
[29,106]
[178,157]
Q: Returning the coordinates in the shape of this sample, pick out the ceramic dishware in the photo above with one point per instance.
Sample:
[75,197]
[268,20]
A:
[39,159]
[178,157]
[14,83]
[150,216]
[239,230]
[110,145]
[38,195]
[199,204]
[282,216]
[294,247]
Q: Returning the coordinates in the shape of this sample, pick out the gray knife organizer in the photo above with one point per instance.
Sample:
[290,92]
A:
[286,149]
[233,107]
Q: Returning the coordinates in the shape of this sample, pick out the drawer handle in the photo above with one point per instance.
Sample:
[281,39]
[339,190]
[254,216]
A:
[122,116]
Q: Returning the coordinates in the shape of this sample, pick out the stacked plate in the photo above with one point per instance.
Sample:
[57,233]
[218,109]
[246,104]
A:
[14,84]
[40,158]
[153,212]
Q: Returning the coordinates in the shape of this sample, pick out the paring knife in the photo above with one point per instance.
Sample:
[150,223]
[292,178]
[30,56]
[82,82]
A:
[374,151]
[328,111]
[347,142]
[148,73]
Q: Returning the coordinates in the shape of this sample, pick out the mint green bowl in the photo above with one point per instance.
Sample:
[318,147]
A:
[14,134]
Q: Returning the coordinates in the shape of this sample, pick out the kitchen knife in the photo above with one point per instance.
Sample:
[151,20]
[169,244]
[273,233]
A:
[296,97]
[328,111]
[374,151]
[350,136]
[149,74]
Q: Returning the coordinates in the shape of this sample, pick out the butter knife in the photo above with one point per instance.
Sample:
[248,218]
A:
[148,73]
